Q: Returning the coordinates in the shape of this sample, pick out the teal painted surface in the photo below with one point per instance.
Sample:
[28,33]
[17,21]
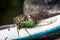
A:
[39,34]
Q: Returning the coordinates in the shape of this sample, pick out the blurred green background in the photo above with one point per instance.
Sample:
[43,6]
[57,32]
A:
[10,9]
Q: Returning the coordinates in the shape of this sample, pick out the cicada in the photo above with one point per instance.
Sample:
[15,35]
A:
[24,21]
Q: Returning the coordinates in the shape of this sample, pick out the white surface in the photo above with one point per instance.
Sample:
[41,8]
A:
[12,34]
[53,11]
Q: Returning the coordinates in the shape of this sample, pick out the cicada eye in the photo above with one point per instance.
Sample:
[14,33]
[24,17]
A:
[23,23]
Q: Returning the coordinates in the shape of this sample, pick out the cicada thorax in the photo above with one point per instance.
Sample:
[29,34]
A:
[29,22]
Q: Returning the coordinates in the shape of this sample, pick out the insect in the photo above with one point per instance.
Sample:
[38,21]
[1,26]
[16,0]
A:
[24,21]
